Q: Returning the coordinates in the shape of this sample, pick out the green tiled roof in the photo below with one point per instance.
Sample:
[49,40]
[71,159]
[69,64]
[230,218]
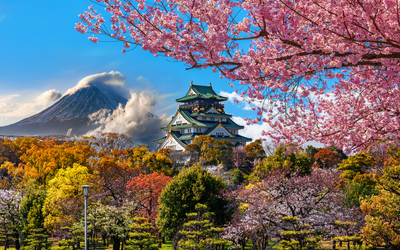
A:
[203,92]
[211,129]
[175,136]
[232,124]
[161,140]
[209,115]
[229,124]
[186,137]
[236,138]
[186,114]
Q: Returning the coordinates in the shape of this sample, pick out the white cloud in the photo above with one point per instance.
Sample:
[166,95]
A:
[135,119]
[246,105]
[253,131]
[16,107]
[231,96]
[48,96]
[113,80]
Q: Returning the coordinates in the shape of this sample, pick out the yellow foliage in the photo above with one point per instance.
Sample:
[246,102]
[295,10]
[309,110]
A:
[64,195]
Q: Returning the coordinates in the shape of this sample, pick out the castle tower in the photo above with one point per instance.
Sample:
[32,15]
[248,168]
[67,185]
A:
[201,112]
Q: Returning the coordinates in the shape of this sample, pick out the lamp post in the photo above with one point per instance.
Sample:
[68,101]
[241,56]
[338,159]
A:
[86,194]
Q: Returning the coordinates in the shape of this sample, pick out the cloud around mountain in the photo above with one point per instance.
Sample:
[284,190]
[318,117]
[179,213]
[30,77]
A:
[113,81]
[135,119]
[98,103]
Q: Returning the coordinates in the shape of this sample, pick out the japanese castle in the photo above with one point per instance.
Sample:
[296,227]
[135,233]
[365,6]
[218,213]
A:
[201,112]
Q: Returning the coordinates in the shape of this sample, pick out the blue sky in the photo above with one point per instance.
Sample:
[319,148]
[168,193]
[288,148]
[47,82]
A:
[40,50]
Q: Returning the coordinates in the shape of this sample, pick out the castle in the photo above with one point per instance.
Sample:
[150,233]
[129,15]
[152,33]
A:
[201,112]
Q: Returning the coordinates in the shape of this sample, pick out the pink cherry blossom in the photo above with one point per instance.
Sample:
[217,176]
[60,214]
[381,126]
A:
[346,53]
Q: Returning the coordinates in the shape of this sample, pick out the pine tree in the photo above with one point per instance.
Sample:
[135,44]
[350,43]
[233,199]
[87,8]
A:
[141,235]
[299,237]
[199,233]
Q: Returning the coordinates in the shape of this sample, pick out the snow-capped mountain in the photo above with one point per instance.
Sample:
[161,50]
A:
[70,113]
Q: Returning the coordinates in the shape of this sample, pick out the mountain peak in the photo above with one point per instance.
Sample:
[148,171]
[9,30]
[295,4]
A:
[71,111]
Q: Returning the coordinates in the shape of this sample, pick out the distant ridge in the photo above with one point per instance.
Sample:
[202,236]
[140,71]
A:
[70,113]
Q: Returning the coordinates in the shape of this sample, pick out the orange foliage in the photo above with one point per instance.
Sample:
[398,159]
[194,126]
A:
[42,160]
[327,158]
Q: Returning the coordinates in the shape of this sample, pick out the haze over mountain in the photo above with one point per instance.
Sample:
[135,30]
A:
[98,103]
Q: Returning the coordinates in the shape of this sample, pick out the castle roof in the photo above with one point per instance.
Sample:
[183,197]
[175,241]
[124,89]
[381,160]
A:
[201,92]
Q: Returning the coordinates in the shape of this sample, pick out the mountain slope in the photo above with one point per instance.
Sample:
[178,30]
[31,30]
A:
[70,112]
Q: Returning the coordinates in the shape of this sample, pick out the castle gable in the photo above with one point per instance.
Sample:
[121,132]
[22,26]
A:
[220,130]
[179,119]
[172,143]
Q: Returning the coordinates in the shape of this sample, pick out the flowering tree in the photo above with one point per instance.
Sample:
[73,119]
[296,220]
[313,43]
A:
[312,199]
[283,51]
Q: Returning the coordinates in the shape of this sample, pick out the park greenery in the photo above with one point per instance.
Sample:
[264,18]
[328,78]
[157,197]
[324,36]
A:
[224,197]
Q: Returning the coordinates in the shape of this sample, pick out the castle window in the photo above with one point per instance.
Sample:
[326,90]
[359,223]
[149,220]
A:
[189,130]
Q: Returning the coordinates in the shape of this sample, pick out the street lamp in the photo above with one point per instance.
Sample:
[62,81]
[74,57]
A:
[86,194]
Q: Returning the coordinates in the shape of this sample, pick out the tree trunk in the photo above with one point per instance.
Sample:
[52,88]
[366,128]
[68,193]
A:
[6,243]
[175,240]
[16,241]
[117,243]
[104,237]
[159,237]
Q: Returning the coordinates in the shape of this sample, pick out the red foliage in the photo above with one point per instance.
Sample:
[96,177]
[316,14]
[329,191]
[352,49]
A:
[146,189]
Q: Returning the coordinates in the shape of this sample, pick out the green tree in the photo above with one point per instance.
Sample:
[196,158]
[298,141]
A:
[181,195]
[298,236]
[358,183]
[237,177]
[199,232]
[284,159]
[31,208]
[141,235]
[223,153]
[355,165]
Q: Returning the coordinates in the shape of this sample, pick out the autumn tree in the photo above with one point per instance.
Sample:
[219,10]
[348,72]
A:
[146,190]
[327,158]
[255,151]
[64,196]
[42,161]
[383,215]
[159,163]
[112,172]
[111,141]
[203,144]
[222,152]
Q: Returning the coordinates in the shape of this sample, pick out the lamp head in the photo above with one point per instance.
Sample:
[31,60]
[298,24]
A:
[86,190]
